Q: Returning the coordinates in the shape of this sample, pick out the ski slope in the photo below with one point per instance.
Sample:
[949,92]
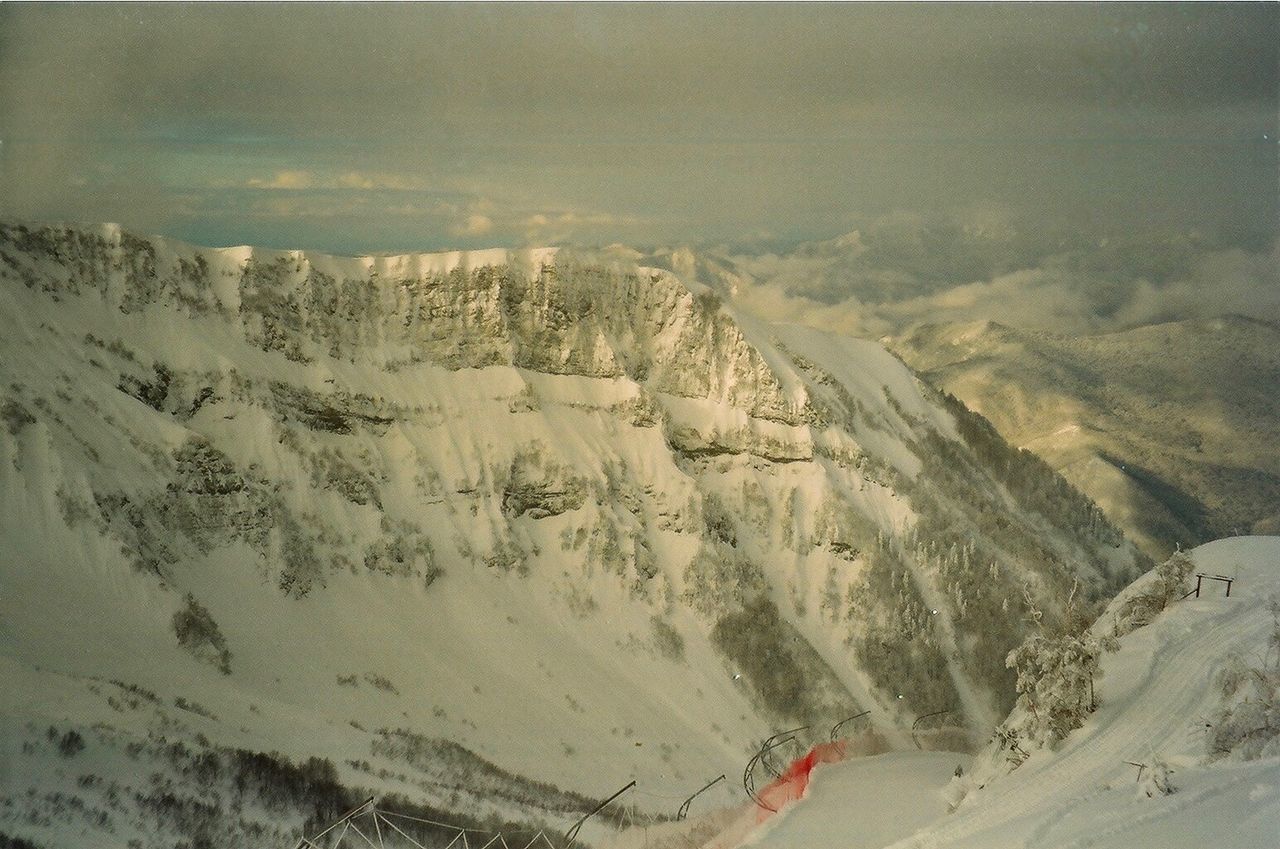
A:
[1157,694]
[864,799]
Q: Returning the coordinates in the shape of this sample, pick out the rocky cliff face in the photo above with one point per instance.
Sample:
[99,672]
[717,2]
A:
[473,481]
[508,310]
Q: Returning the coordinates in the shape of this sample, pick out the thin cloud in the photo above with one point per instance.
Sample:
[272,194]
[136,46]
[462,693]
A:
[473,225]
[356,180]
[380,181]
[1084,288]
[288,180]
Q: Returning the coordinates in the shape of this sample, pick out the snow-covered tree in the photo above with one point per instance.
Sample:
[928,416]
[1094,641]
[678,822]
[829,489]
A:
[1156,780]
[1055,682]
[1169,585]
[1247,726]
[1055,672]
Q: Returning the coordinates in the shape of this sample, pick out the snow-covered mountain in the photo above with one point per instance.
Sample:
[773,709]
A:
[495,531]
[1183,751]
[1172,428]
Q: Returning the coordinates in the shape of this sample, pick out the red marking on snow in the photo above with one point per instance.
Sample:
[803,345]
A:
[795,778]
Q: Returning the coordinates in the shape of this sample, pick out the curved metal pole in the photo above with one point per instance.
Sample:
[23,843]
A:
[920,719]
[760,758]
[684,809]
[748,782]
[792,731]
[572,833]
[768,764]
[835,729]
[748,777]
[764,756]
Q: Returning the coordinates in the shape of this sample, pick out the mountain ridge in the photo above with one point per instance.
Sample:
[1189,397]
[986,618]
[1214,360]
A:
[368,505]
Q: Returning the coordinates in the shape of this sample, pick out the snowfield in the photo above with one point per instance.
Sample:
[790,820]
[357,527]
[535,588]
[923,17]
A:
[1157,695]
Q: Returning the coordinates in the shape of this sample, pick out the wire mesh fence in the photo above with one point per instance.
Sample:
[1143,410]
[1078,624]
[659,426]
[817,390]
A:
[368,825]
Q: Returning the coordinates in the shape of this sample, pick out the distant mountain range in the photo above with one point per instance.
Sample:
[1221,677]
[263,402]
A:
[1174,428]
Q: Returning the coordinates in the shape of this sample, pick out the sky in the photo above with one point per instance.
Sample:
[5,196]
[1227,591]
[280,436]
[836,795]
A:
[358,128]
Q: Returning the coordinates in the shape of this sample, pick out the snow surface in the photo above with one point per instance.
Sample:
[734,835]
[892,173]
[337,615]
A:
[1156,693]
[871,802]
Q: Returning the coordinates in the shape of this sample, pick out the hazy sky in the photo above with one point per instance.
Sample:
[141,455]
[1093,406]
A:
[381,127]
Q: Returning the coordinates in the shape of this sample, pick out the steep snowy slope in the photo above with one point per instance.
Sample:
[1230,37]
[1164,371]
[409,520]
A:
[496,515]
[1161,699]
[1172,428]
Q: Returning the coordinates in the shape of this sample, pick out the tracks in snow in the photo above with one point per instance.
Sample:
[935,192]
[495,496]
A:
[1153,716]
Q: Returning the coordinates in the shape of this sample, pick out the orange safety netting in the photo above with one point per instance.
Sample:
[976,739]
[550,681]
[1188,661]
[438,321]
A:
[795,779]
